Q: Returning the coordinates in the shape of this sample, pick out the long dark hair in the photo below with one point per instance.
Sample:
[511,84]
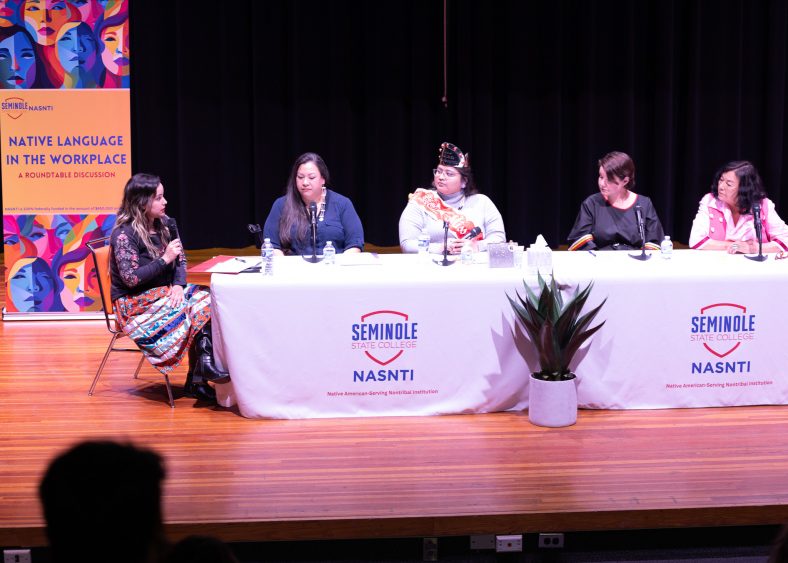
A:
[137,197]
[751,188]
[294,212]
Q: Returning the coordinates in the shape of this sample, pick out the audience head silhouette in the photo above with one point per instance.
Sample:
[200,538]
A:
[102,502]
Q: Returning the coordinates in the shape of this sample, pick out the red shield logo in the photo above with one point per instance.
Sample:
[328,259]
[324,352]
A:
[384,356]
[722,348]
[16,113]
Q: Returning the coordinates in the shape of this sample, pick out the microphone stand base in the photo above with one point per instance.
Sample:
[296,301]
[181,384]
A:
[444,262]
[312,259]
[642,256]
[758,258]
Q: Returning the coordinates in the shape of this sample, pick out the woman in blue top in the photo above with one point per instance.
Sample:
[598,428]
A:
[288,224]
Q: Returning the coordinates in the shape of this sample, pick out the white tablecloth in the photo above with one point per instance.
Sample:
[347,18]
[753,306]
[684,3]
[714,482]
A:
[302,343]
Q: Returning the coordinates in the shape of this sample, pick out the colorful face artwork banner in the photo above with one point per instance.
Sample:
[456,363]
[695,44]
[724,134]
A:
[64,144]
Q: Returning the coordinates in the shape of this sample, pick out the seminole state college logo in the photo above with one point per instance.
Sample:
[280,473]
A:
[13,107]
[722,328]
[383,337]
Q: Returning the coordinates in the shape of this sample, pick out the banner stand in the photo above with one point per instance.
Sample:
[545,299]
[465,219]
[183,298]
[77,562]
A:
[65,153]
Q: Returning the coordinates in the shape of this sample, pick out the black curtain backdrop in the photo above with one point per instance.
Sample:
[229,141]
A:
[225,97]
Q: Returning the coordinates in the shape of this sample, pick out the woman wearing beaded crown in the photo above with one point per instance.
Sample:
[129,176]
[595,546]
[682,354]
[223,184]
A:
[288,223]
[452,198]
[608,220]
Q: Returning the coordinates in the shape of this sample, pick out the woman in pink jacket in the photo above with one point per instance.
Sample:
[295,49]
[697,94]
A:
[726,216]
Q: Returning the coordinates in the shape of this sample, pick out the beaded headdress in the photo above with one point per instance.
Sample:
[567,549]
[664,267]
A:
[451,155]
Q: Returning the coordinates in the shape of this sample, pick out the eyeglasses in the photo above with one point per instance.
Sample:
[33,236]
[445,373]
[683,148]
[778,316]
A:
[781,255]
[448,173]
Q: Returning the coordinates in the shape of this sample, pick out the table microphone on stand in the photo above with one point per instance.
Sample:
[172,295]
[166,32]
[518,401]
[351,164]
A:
[445,261]
[642,230]
[756,215]
[313,225]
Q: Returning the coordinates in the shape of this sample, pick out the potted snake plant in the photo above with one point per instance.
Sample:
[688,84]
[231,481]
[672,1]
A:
[556,329]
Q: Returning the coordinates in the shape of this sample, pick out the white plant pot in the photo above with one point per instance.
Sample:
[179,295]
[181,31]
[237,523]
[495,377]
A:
[552,403]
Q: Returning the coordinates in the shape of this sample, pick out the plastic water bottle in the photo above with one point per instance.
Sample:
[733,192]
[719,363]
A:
[466,255]
[329,253]
[666,246]
[267,254]
[424,246]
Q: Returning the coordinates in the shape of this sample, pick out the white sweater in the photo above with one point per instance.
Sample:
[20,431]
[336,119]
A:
[478,208]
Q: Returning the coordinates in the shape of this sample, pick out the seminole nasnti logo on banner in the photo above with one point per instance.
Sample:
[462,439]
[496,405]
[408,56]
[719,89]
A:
[16,107]
[13,107]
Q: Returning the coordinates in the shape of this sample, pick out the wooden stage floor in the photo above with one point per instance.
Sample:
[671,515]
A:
[253,480]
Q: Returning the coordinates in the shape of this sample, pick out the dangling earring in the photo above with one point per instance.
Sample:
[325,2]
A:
[322,213]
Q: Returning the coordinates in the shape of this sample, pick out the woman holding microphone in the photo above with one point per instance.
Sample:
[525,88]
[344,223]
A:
[155,307]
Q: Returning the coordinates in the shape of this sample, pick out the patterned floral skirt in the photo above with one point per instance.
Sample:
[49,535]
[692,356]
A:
[162,332]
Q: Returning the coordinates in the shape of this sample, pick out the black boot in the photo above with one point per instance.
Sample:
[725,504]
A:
[204,367]
[199,391]
[195,387]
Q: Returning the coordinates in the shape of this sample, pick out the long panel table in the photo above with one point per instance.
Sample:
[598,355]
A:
[402,337]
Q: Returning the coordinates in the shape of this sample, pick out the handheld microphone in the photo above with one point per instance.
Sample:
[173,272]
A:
[473,233]
[172,227]
[313,212]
